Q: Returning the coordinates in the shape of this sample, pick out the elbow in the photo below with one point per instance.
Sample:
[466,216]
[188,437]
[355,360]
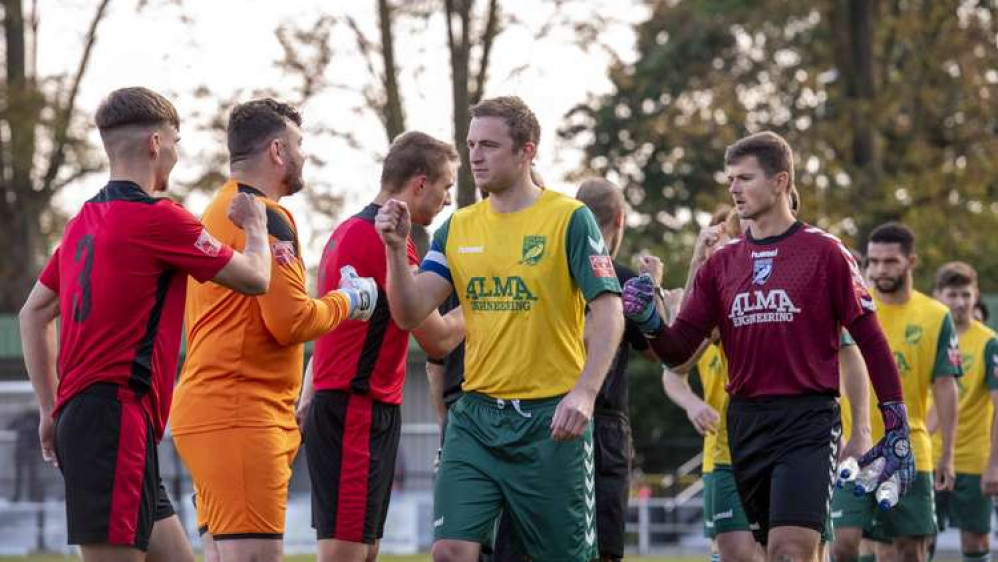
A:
[256,284]
[405,323]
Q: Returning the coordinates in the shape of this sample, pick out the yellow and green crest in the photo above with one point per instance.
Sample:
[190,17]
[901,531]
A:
[533,249]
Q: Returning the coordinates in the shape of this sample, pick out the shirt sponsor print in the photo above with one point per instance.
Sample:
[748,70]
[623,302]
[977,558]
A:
[208,244]
[762,307]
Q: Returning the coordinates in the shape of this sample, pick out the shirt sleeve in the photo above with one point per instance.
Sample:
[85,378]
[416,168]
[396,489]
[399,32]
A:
[701,306]
[991,364]
[849,294]
[50,273]
[288,312]
[436,259]
[180,241]
[588,257]
[947,351]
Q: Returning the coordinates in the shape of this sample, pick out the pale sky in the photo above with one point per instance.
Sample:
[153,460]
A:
[230,46]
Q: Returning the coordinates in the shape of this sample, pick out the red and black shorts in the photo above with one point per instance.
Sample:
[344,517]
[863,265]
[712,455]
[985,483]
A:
[351,443]
[106,449]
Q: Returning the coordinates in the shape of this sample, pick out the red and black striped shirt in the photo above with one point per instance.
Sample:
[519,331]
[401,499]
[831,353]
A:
[361,357]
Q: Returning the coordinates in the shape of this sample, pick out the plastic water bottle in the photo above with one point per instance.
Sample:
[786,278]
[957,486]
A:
[888,493]
[866,481]
[847,471]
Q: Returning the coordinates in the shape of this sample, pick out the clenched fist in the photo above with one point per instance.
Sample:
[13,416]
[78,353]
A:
[245,211]
[393,223]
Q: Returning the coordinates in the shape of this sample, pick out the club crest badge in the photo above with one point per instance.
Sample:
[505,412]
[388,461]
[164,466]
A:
[533,249]
[762,269]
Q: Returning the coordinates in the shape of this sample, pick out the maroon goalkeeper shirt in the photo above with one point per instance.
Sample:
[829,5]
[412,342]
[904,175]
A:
[780,303]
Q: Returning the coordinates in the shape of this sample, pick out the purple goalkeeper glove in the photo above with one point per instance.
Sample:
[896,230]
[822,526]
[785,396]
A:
[895,447]
[639,303]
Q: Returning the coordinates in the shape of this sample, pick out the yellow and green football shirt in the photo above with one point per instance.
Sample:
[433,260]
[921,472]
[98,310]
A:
[523,280]
[979,358]
[923,339]
[712,368]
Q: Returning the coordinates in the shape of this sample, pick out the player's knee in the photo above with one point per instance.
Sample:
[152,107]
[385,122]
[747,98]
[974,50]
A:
[453,551]
[973,542]
[911,549]
[845,550]
[789,551]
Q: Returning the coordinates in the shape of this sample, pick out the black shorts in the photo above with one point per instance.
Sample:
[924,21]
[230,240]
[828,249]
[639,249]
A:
[351,443]
[614,454]
[106,448]
[783,453]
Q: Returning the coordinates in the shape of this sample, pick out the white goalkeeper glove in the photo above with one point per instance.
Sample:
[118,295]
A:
[362,292]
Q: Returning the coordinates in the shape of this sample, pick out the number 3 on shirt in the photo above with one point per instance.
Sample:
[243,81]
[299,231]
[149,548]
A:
[81,301]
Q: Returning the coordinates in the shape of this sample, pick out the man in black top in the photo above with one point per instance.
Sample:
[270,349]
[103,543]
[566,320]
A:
[612,428]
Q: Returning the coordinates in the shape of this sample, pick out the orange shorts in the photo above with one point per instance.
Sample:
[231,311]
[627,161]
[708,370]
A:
[241,478]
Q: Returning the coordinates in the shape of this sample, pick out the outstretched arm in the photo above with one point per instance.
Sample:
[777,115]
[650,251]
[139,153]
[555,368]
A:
[412,297]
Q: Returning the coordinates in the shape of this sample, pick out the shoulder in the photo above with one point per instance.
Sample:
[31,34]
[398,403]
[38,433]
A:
[983,330]
[727,251]
[559,201]
[818,238]
[931,306]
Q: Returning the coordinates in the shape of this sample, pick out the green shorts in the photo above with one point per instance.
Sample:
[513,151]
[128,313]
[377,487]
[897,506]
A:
[913,516]
[722,508]
[965,508]
[498,455]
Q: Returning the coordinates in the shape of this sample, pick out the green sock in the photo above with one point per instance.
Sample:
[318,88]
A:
[867,558]
[977,556]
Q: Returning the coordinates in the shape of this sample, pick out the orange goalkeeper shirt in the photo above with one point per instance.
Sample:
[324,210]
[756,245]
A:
[245,354]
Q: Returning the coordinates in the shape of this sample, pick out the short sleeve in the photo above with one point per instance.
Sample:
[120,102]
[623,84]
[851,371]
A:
[436,259]
[588,257]
[947,362]
[180,241]
[850,297]
[701,306]
[50,273]
[991,364]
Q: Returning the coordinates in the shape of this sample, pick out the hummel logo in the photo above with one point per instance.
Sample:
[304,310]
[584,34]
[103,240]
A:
[471,249]
[438,522]
[598,246]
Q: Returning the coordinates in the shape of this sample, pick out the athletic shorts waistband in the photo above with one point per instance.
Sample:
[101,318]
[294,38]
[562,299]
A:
[112,390]
[503,403]
[766,403]
[343,395]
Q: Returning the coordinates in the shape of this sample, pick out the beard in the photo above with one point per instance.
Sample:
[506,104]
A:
[292,178]
[889,285]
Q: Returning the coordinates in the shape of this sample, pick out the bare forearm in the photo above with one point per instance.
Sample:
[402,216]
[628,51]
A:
[677,388]
[993,458]
[608,321]
[257,250]
[406,301]
[38,340]
[435,378]
[945,399]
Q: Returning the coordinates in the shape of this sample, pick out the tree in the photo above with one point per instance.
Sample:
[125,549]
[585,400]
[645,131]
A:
[887,105]
[42,148]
